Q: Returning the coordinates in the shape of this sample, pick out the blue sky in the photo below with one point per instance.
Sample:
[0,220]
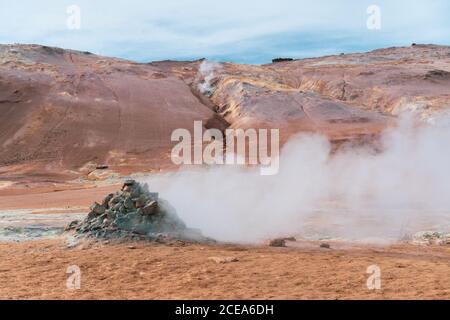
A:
[232,30]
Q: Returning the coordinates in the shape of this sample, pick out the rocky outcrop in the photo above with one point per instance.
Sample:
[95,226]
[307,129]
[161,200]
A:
[345,97]
[134,213]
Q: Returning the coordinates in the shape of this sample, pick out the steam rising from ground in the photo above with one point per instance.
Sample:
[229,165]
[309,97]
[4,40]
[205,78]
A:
[207,72]
[356,194]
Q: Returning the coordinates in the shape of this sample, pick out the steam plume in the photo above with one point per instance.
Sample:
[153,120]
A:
[356,194]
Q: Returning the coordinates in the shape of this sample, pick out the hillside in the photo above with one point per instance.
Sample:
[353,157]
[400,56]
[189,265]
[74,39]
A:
[64,112]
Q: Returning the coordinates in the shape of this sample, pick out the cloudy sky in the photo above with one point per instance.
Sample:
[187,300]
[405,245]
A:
[234,30]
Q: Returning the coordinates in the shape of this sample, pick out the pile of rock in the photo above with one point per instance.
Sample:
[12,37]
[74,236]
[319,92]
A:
[133,212]
[431,238]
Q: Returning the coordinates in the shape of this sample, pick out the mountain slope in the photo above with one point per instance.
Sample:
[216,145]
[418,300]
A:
[66,112]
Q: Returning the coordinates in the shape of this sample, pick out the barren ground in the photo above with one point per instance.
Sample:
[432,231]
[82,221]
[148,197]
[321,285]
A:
[68,115]
[37,269]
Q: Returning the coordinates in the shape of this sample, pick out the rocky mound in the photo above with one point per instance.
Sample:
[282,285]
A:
[134,213]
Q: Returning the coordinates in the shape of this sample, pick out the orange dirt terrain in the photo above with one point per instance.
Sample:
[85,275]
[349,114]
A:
[37,270]
[179,270]
[73,125]
[67,114]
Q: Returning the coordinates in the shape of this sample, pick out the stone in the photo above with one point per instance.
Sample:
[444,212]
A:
[277,243]
[72,226]
[140,202]
[96,224]
[111,214]
[136,192]
[129,182]
[117,207]
[107,200]
[128,185]
[115,200]
[91,215]
[325,246]
[128,203]
[98,208]
[150,208]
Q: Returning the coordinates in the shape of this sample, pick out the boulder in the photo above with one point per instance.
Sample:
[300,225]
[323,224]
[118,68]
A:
[107,200]
[129,183]
[72,226]
[140,202]
[150,208]
[98,208]
[128,203]
[277,243]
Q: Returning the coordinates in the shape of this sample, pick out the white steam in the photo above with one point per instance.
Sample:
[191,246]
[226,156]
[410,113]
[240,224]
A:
[207,74]
[356,194]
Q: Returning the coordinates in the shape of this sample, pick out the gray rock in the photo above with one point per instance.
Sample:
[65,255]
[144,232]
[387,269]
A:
[325,245]
[129,182]
[115,200]
[128,204]
[72,226]
[117,207]
[141,201]
[150,208]
[111,215]
[98,208]
[91,215]
[107,200]
[277,243]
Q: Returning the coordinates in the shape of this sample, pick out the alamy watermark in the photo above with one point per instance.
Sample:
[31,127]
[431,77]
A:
[374,280]
[73,21]
[227,148]
[374,19]
[73,281]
